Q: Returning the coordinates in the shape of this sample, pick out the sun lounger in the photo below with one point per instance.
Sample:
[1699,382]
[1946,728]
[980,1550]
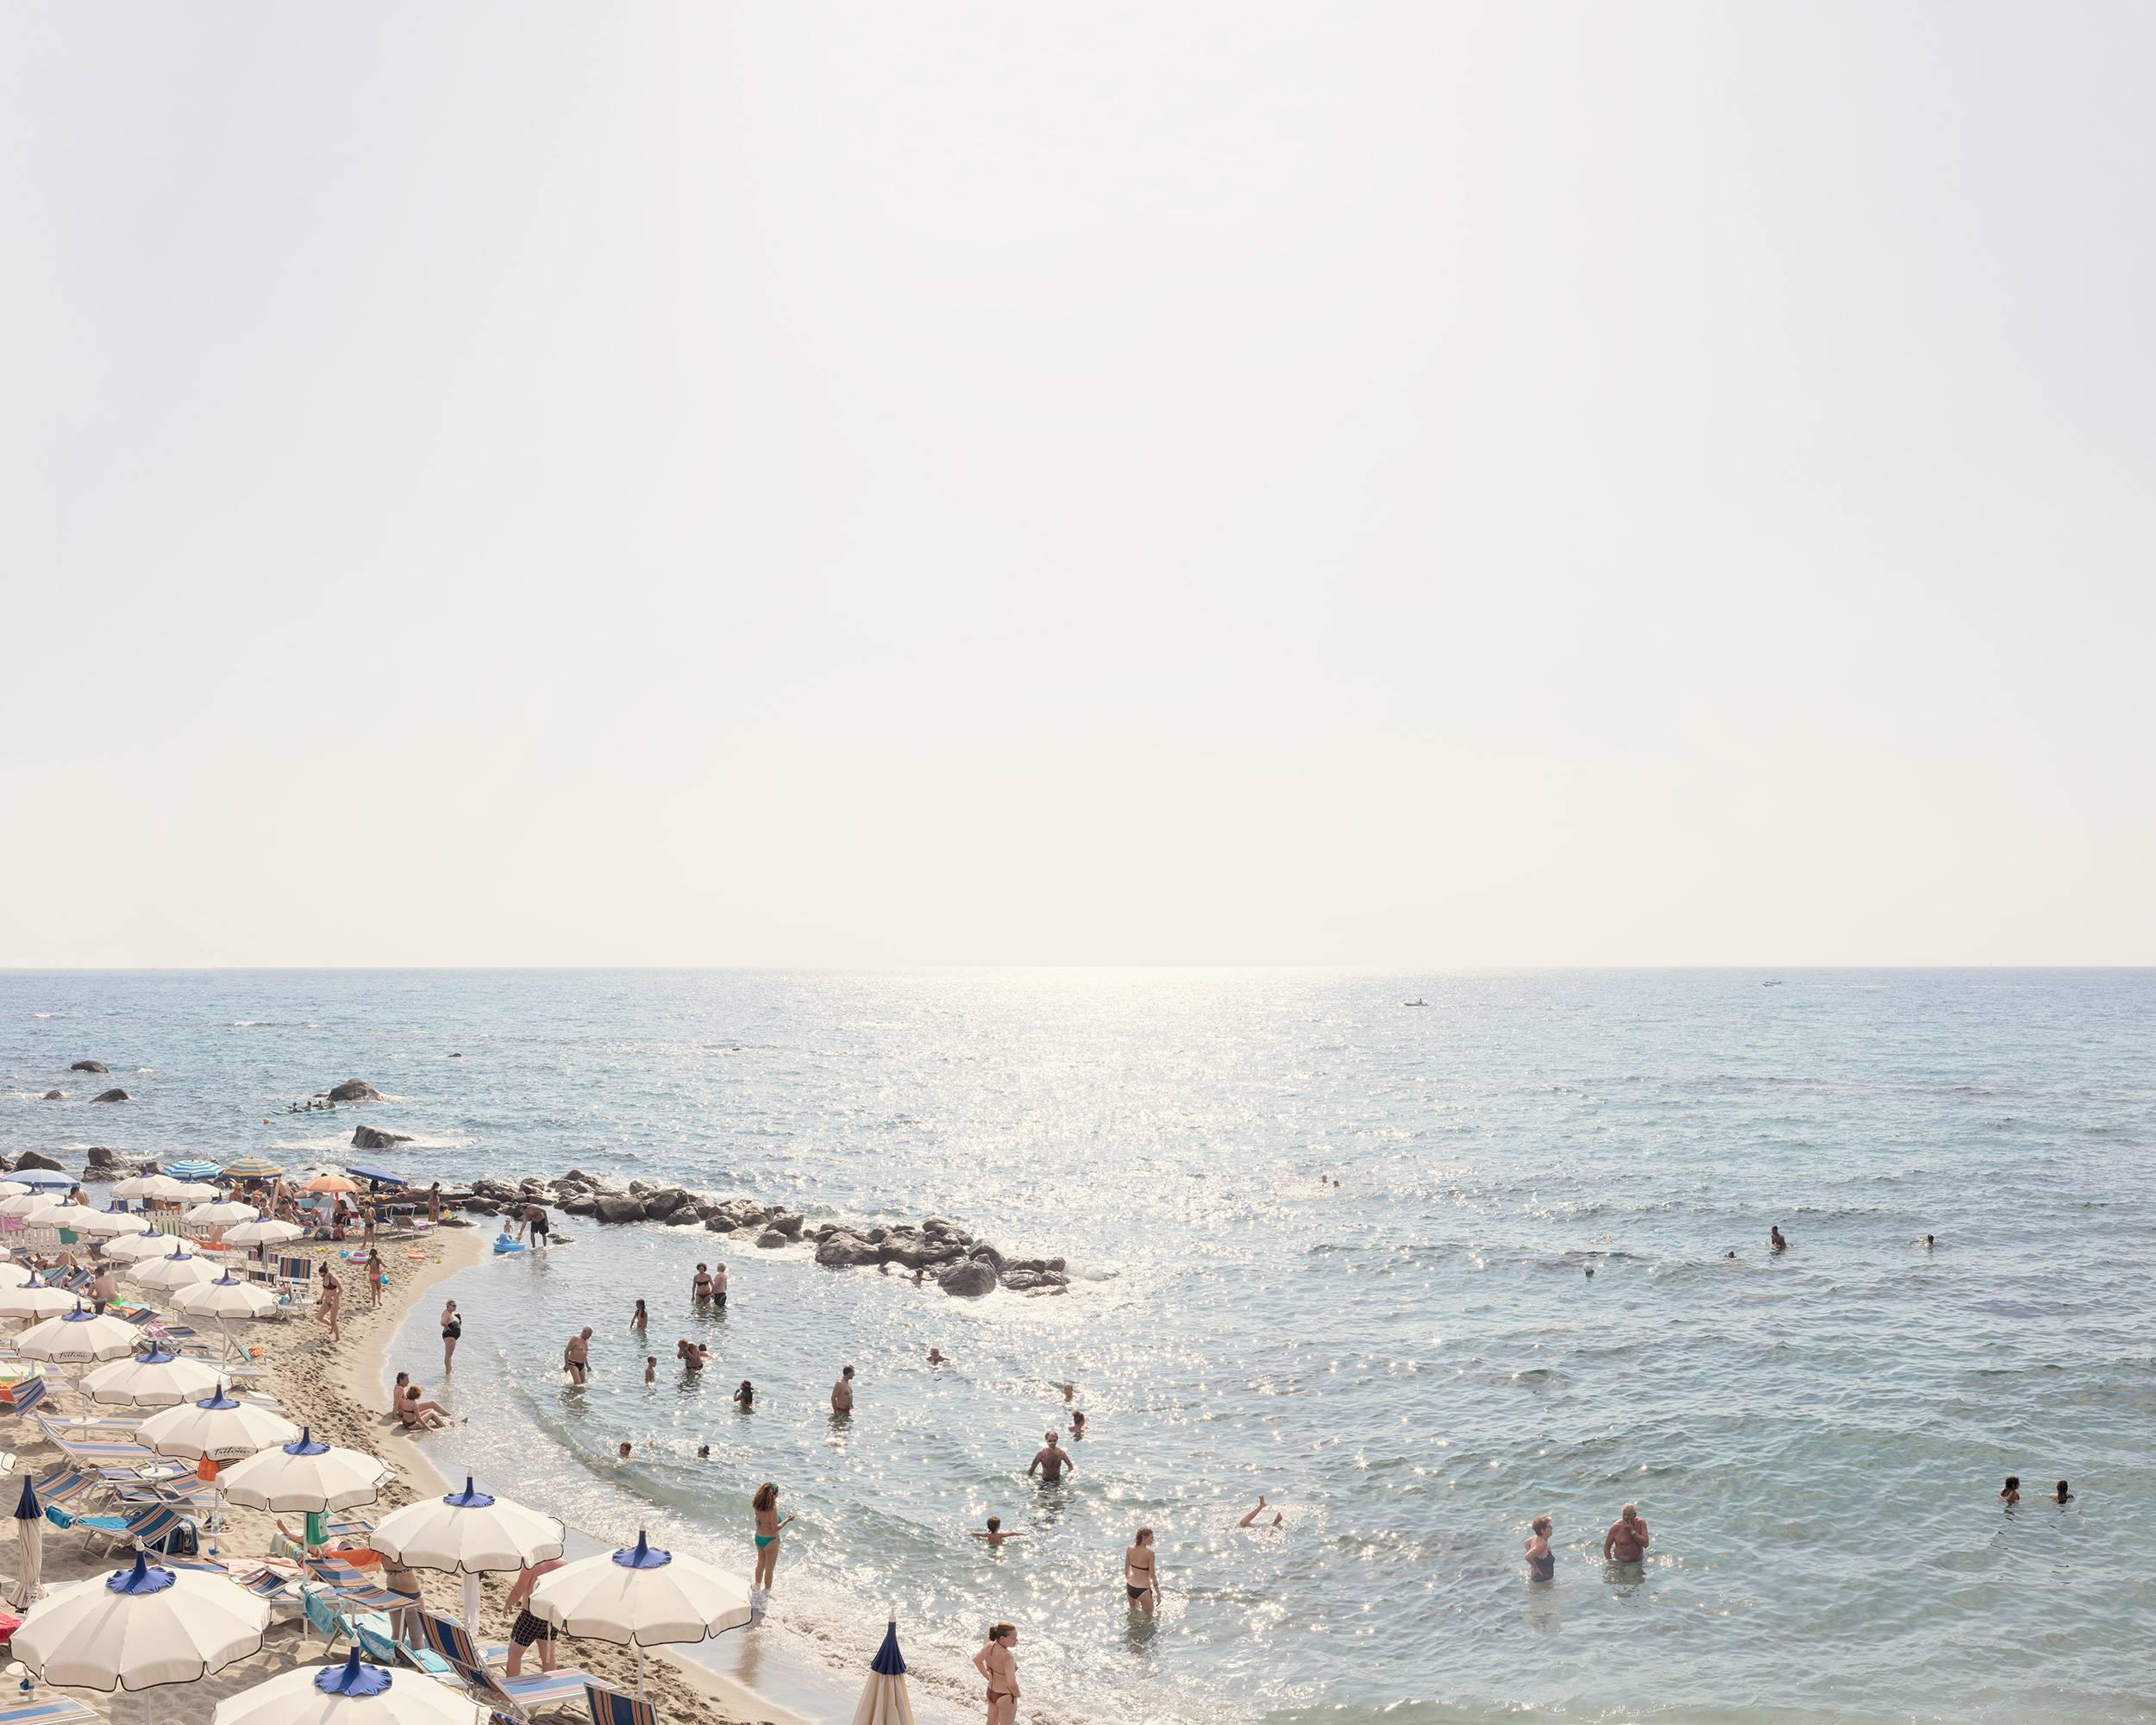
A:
[525,1697]
[48,1709]
[66,1484]
[355,1588]
[380,1645]
[612,1707]
[21,1395]
[148,1528]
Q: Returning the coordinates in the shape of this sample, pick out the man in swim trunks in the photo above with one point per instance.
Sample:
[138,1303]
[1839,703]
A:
[1626,1541]
[1141,1572]
[719,1286]
[700,1283]
[842,1392]
[1050,1461]
[535,1215]
[531,1631]
[576,1358]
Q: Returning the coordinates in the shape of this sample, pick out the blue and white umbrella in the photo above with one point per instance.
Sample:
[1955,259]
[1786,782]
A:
[194,1170]
[884,1702]
[353,1693]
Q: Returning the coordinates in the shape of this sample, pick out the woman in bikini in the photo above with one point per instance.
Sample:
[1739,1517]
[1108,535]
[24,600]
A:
[426,1416]
[999,1666]
[399,1579]
[332,1302]
[1542,1563]
[769,1528]
[1141,1573]
[745,1398]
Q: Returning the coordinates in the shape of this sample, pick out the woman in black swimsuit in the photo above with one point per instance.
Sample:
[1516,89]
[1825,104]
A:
[1542,1562]
[452,1332]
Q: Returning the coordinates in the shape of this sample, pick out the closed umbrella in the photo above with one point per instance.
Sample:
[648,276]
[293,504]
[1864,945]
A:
[217,1427]
[76,1337]
[140,1627]
[225,1210]
[177,1269]
[883,1701]
[467,1533]
[304,1475]
[353,1693]
[29,1537]
[132,1247]
[35,1300]
[642,1596]
[156,1379]
[108,1223]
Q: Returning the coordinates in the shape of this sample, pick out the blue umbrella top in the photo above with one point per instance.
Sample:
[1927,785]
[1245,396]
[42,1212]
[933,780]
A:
[26,1507]
[887,1662]
[352,1677]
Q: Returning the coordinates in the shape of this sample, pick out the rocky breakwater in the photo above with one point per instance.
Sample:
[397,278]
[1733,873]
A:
[960,1264]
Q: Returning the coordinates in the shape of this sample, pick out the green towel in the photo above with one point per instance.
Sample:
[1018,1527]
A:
[317,1533]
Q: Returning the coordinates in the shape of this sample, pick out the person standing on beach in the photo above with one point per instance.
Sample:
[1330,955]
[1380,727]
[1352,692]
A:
[769,1528]
[700,1285]
[842,1392]
[332,1302]
[576,1356]
[1050,1461]
[103,1291]
[998,1664]
[1626,1541]
[434,1205]
[1141,1571]
[375,1277]
[1542,1562]
[531,1631]
[452,1332]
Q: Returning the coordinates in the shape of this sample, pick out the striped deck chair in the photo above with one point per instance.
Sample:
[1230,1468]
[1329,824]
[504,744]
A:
[67,1483]
[355,1588]
[26,1395]
[324,1617]
[59,1426]
[147,1529]
[522,1697]
[48,1709]
[612,1707]
[379,1645]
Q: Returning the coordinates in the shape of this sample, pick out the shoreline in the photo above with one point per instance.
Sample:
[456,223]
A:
[360,1381]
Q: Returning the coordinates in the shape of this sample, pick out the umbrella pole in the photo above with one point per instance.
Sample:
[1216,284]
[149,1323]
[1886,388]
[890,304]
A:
[472,1602]
[640,1670]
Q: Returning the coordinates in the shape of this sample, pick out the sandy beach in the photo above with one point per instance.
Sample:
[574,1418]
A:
[339,1391]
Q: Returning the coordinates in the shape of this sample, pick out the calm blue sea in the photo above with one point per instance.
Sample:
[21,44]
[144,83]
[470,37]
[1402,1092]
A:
[1411,1365]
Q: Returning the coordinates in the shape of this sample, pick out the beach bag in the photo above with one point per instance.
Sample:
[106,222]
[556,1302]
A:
[183,1542]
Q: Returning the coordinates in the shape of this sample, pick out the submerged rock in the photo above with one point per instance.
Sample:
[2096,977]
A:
[110,1097]
[374,1138]
[846,1251]
[354,1091]
[56,1095]
[1024,1280]
[90,1066]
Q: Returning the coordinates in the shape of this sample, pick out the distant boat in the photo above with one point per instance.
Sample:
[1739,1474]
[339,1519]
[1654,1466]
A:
[1771,983]
[1414,1003]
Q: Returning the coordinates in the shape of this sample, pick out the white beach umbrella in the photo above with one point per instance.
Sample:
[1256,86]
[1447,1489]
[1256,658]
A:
[884,1701]
[14,1275]
[76,1337]
[265,1231]
[139,1628]
[225,1297]
[353,1693]
[130,1247]
[642,1596]
[22,1203]
[35,1300]
[107,1224]
[177,1269]
[467,1533]
[12,1189]
[156,1379]
[304,1475]
[217,1427]
[198,1192]
[149,1186]
[225,1210]
[55,1213]
[29,1559]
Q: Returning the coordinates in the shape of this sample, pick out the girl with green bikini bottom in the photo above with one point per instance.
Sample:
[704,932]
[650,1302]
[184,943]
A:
[768,1526]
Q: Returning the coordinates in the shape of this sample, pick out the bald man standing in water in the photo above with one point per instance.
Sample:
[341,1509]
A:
[1627,1539]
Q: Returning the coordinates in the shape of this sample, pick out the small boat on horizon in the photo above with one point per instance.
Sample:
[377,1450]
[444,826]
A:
[1414,1003]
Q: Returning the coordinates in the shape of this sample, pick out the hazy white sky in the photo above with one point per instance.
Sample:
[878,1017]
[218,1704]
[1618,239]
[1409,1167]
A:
[1411,484]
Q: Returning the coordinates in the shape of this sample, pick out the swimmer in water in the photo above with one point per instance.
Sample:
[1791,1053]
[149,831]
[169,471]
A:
[2010,1493]
[938,1356]
[1542,1563]
[1077,1423]
[627,1450]
[995,1535]
[1775,1242]
[2062,1496]
[1250,1516]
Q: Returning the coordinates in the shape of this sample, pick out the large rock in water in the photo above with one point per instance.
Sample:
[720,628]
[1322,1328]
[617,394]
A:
[354,1091]
[969,1280]
[56,1095]
[771,1238]
[102,1158]
[37,1158]
[90,1066]
[110,1097]
[619,1210]
[845,1252]
[1024,1281]
[662,1202]
[374,1138]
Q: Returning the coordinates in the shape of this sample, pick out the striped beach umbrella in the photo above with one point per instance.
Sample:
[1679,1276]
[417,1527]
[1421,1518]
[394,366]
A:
[884,1701]
[193,1169]
[254,1168]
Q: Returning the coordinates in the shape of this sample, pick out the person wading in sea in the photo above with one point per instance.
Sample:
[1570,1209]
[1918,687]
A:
[576,1356]
[842,1392]
[1626,1541]
[1050,1461]
[1542,1562]
[1141,1571]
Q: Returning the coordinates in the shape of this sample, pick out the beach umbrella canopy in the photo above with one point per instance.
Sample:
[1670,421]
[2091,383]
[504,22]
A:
[466,1532]
[195,1191]
[353,1693]
[642,1596]
[884,1702]
[225,1210]
[46,1179]
[76,1337]
[108,1223]
[35,1300]
[330,1182]
[156,1379]
[304,1475]
[29,1534]
[21,1205]
[217,1427]
[12,1189]
[14,1275]
[265,1231]
[226,1297]
[149,1186]
[253,1168]
[374,1177]
[177,1269]
[129,1247]
[56,1213]
[139,1628]
[193,1167]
